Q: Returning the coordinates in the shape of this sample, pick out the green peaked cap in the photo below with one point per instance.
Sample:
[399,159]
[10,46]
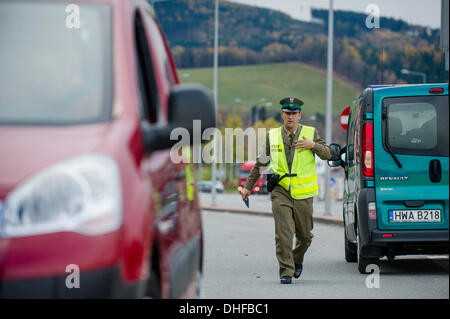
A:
[291,104]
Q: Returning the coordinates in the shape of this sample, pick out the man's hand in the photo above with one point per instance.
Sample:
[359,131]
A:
[245,193]
[304,144]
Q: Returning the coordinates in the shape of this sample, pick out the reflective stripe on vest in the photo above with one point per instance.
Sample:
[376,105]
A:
[304,185]
[186,151]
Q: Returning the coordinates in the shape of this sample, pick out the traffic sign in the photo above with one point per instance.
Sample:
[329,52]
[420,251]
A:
[343,119]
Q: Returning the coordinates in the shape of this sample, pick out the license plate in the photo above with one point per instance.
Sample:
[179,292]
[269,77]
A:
[415,216]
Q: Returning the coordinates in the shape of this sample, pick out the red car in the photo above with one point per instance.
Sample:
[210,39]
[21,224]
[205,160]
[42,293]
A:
[91,204]
[260,186]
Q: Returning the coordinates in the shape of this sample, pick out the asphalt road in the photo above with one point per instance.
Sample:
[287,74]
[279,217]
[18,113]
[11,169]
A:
[240,263]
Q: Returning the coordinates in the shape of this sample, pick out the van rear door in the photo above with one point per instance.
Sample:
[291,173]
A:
[411,162]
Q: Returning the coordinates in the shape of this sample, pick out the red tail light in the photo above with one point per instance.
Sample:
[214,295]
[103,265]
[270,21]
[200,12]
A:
[372,210]
[436,91]
[387,235]
[367,149]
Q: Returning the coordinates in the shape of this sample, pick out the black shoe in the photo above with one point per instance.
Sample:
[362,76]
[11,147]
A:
[286,280]
[298,270]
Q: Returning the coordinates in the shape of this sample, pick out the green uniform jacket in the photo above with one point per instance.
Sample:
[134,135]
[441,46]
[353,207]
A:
[321,149]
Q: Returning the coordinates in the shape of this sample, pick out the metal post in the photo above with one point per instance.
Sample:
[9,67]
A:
[216,60]
[422,74]
[381,66]
[328,119]
[445,30]
[446,60]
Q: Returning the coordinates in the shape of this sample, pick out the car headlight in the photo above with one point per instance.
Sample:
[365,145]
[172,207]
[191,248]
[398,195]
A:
[80,195]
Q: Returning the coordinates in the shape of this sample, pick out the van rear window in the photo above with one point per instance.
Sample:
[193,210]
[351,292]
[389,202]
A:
[417,125]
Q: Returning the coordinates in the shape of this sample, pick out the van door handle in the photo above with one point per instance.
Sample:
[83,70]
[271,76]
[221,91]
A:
[435,171]
[414,203]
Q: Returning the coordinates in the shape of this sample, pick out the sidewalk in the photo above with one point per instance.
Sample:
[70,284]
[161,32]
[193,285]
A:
[261,205]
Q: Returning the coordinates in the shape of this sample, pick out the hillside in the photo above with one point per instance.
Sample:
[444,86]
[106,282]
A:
[190,23]
[273,82]
[251,35]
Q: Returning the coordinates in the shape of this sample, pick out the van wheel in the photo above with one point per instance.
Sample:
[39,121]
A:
[199,291]
[363,261]
[154,282]
[351,252]
[153,286]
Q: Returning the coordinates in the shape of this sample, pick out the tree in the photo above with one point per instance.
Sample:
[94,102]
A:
[262,113]
[254,115]
[233,120]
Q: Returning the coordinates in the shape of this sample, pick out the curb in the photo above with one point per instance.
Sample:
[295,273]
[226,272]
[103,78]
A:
[332,220]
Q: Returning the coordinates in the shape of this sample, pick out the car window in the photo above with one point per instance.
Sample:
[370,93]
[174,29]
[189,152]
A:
[357,136]
[148,91]
[160,48]
[154,63]
[55,71]
[349,132]
[417,125]
[244,174]
[352,120]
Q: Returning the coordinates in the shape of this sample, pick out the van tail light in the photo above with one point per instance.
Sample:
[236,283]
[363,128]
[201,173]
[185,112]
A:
[387,236]
[367,149]
[436,90]
[372,210]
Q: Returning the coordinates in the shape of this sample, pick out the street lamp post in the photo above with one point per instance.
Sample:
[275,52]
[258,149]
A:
[328,119]
[216,65]
[422,74]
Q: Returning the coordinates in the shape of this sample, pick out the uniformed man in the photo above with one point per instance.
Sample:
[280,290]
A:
[291,150]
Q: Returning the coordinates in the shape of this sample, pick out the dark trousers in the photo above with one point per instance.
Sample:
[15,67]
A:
[292,216]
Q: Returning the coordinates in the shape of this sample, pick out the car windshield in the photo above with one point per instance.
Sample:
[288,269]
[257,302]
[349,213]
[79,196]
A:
[244,174]
[418,125]
[55,62]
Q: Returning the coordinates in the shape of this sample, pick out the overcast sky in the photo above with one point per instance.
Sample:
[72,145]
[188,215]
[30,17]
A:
[420,12]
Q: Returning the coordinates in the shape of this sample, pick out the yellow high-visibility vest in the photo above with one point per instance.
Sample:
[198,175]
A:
[186,151]
[304,183]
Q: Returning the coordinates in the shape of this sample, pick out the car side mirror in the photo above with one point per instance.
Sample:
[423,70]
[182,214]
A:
[187,102]
[335,152]
[336,156]
[351,155]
